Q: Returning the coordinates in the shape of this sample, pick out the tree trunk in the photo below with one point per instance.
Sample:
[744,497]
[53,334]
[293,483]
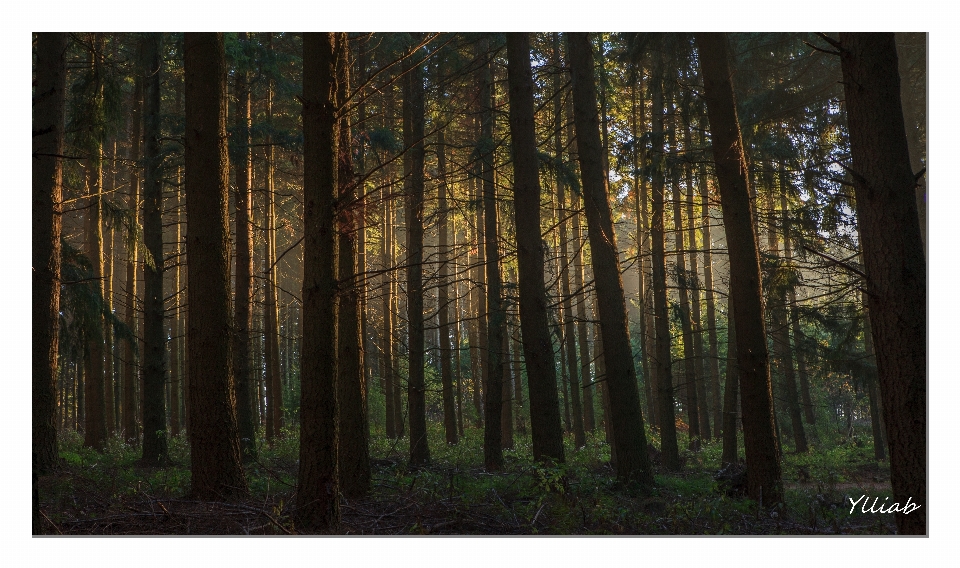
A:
[175,375]
[443,299]
[781,338]
[713,364]
[387,365]
[696,327]
[154,340]
[48,142]
[318,503]
[686,324]
[214,442]
[763,455]
[525,120]
[129,356]
[243,318]
[547,436]
[621,377]
[271,323]
[354,458]
[493,385]
[892,248]
[413,163]
[661,322]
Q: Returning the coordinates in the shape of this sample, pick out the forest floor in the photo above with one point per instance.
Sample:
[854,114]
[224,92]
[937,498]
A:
[110,494]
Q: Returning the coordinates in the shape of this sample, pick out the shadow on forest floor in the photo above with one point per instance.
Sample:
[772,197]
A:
[108,494]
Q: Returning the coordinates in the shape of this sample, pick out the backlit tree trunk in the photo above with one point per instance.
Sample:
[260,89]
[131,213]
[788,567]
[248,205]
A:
[49,102]
[492,450]
[446,362]
[632,463]
[129,427]
[662,357]
[354,459]
[763,454]
[413,162]
[537,345]
[154,339]
[243,309]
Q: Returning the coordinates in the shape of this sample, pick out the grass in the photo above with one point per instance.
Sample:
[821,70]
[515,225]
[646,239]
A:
[110,493]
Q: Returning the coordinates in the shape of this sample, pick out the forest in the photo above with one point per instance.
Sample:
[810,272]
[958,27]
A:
[479,283]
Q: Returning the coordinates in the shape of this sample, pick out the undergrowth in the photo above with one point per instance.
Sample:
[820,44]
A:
[111,493]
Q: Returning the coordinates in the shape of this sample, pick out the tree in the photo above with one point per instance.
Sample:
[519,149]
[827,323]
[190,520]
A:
[49,105]
[413,115]
[762,450]
[630,441]
[893,257]
[216,472]
[661,323]
[154,338]
[547,435]
[354,460]
[243,307]
[443,298]
[496,318]
[318,504]
[129,425]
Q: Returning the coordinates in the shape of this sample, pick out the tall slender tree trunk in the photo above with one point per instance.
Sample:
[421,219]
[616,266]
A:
[443,298]
[493,385]
[712,365]
[546,433]
[691,376]
[696,326]
[387,365]
[49,104]
[893,255]
[662,357]
[763,454]
[129,354]
[569,335]
[154,341]
[318,502]
[216,472]
[271,323]
[95,425]
[413,163]
[175,374]
[632,463]
[643,230]
[354,458]
[243,308]
[781,335]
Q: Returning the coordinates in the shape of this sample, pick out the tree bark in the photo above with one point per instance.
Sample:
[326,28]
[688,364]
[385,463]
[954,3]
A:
[318,503]
[731,394]
[546,434]
[493,385]
[154,339]
[129,429]
[621,377]
[214,442]
[892,248]
[661,322]
[354,458]
[763,454]
[443,298]
[49,104]
[413,163]
[243,318]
